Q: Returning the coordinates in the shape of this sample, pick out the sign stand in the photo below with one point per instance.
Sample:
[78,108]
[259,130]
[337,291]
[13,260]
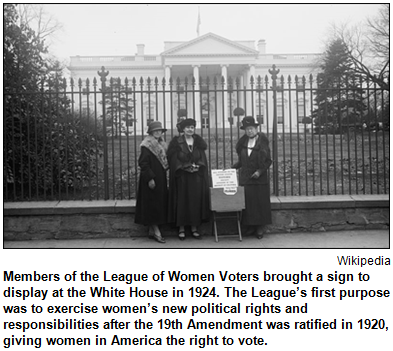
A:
[226,199]
[227,204]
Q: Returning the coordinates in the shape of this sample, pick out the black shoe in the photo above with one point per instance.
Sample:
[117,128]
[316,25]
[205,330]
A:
[250,230]
[260,232]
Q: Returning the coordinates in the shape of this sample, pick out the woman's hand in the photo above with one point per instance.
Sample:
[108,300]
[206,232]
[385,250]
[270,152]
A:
[152,184]
[192,168]
[256,175]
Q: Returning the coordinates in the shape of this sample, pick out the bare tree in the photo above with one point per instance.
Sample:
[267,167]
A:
[379,32]
[45,26]
[37,18]
[368,47]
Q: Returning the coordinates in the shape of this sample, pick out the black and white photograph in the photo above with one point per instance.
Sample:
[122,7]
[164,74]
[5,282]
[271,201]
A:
[116,116]
[196,176]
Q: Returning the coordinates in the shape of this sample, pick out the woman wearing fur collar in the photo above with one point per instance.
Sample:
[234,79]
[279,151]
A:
[152,198]
[188,180]
[254,161]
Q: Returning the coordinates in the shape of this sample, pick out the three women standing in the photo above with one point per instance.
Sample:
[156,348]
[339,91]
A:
[188,180]
[152,198]
[187,203]
[254,161]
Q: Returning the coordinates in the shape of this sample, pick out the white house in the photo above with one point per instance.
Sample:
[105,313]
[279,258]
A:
[206,57]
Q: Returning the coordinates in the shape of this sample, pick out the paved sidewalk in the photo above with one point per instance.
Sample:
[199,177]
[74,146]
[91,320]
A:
[340,239]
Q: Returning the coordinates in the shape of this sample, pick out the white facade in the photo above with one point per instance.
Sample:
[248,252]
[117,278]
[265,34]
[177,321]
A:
[208,56]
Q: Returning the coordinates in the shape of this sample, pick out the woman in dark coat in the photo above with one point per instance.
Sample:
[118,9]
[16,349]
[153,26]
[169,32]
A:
[152,199]
[188,180]
[254,161]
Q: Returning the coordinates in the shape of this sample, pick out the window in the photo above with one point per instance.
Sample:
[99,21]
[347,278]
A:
[260,118]
[300,86]
[207,109]
[280,112]
[207,105]
[300,110]
[279,85]
[260,110]
[280,116]
[205,121]
[179,102]
[129,122]
[232,104]
[150,112]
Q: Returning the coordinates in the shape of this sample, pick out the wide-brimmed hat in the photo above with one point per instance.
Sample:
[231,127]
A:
[248,122]
[155,125]
[187,122]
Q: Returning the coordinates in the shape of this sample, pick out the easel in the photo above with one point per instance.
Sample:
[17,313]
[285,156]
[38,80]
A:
[223,203]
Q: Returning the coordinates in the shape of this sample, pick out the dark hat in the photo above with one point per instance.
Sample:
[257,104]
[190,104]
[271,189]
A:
[178,123]
[155,125]
[187,122]
[248,122]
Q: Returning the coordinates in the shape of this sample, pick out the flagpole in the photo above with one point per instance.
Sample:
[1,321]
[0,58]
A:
[198,21]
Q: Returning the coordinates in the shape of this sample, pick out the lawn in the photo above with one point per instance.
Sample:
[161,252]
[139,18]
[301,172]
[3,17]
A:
[308,165]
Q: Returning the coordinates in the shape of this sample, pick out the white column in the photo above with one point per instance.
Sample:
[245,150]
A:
[241,95]
[168,106]
[224,73]
[197,117]
[251,73]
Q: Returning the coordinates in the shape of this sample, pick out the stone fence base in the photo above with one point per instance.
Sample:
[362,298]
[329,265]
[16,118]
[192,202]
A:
[115,218]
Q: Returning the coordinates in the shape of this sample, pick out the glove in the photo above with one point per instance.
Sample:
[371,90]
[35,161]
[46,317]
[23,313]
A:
[191,169]
[256,175]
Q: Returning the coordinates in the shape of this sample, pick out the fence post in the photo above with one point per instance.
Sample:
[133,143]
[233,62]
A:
[274,72]
[103,75]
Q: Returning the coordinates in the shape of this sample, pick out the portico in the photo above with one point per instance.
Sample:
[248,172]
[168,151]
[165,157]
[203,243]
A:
[208,76]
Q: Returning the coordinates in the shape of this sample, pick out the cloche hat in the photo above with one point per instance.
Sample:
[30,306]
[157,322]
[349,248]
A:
[248,122]
[155,125]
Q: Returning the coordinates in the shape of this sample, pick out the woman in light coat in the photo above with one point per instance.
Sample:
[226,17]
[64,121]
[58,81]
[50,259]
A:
[152,198]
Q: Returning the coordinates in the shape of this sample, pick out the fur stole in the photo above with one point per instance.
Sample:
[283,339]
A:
[174,145]
[157,148]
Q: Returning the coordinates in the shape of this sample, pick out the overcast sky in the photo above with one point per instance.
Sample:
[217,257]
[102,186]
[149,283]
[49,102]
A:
[99,29]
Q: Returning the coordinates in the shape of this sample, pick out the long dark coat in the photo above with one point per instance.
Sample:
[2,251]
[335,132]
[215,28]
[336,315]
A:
[151,204]
[257,191]
[189,202]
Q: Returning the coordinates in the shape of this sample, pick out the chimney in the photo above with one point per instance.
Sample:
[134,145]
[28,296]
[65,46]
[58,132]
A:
[262,46]
[141,49]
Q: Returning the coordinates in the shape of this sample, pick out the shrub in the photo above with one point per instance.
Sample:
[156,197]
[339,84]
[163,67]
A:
[49,152]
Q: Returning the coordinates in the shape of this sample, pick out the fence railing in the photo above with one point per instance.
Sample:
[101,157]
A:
[80,140]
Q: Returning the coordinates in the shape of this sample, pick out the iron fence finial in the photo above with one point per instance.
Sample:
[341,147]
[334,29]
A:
[103,74]
[274,72]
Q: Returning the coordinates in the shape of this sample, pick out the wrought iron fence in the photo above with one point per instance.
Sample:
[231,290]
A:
[80,140]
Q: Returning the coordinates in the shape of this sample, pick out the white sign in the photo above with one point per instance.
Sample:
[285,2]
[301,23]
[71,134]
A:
[224,178]
[230,191]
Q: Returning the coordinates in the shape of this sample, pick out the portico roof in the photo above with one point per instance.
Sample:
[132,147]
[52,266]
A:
[210,44]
